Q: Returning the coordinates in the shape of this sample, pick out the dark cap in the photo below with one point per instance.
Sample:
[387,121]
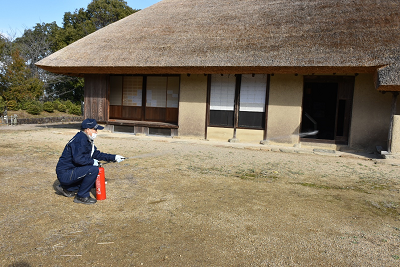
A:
[91,124]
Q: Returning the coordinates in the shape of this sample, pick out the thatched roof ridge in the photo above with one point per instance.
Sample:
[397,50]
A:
[228,34]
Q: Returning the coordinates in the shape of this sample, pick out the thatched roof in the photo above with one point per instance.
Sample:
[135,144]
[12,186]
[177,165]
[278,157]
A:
[388,78]
[246,36]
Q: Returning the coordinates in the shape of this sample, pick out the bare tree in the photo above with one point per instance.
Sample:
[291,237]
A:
[36,44]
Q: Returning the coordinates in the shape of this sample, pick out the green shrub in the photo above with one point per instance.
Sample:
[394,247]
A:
[25,105]
[56,103]
[12,105]
[48,106]
[68,104]
[76,110]
[2,105]
[62,107]
[34,108]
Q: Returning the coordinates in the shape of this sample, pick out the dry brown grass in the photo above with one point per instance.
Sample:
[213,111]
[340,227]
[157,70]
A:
[196,203]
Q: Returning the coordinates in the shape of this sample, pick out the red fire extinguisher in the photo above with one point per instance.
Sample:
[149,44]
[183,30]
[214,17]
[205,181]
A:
[101,185]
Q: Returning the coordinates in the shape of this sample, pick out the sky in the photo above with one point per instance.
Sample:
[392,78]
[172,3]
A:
[18,15]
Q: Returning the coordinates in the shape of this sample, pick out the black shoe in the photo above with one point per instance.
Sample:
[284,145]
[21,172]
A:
[85,200]
[64,192]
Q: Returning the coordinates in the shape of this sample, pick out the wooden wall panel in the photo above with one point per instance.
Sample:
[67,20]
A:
[155,114]
[115,112]
[131,113]
[96,105]
[172,115]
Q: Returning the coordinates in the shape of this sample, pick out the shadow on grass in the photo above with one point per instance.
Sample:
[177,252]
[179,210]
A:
[72,125]
[20,264]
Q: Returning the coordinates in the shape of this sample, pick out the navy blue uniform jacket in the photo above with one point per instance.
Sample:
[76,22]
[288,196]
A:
[78,153]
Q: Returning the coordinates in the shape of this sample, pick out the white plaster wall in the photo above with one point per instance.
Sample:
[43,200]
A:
[192,106]
[219,134]
[284,110]
[395,148]
[370,116]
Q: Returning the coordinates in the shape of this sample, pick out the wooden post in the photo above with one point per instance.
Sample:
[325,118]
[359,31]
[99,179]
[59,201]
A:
[266,105]
[394,101]
[144,98]
[236,109]
[208,106]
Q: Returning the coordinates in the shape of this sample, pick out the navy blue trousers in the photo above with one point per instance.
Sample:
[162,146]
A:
[79,178]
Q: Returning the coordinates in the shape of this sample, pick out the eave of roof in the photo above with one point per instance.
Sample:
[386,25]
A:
[81,71]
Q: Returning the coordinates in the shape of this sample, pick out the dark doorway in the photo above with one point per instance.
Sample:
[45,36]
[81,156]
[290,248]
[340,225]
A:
[319,110]
[327,102]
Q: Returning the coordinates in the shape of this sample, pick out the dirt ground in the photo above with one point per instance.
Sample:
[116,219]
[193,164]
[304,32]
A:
[180,202]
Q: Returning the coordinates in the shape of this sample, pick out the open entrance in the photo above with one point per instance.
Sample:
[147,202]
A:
[327,105]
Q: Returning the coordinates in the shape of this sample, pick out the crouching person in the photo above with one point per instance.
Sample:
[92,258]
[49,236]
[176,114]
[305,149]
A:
[77,168]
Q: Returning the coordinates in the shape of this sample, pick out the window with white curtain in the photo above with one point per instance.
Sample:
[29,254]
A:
[253,90]
[222,92]
[173,92]
[132,91]
[222,100]
[156,92]
[252,95]
[161,94]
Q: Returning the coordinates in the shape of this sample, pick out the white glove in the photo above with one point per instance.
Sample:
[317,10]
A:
[96,162]
[119,158]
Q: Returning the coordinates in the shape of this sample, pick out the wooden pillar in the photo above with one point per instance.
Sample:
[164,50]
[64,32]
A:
[208,106]
[144,98]
[236,108]
[266,105]
[394,101]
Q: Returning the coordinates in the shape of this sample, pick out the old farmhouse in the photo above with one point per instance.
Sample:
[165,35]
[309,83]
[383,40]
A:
[289,71]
